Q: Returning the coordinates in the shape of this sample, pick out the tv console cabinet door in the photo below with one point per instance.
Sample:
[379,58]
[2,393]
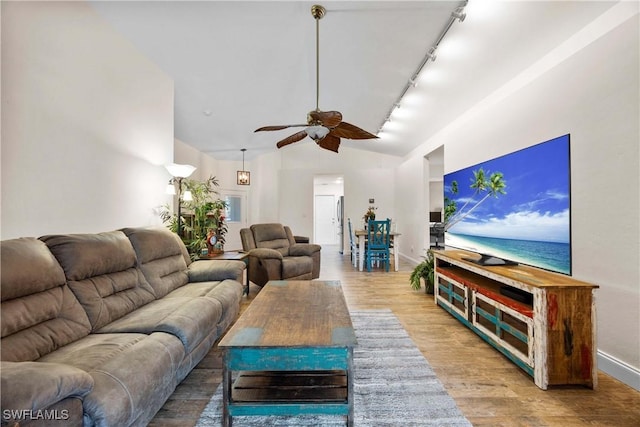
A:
[453,297]
[510,330]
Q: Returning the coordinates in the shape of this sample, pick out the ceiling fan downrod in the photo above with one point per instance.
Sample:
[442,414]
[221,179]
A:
[318,13]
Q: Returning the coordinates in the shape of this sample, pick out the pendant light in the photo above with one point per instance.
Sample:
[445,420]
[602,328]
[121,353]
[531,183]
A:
[243,176]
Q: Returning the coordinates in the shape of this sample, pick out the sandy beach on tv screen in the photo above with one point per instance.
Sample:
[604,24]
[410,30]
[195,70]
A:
[459,242]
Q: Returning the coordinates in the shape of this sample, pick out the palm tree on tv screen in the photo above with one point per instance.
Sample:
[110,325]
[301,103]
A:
[492,186]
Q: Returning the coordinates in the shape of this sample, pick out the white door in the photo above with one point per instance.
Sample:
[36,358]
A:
[325,230]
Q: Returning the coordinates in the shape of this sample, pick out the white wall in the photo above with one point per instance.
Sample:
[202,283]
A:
[412,205]
[591,93]
[264,200]
[87,123]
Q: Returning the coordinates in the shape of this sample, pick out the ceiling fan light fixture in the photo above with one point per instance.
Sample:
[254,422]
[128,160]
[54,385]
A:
[317,132]
[326,128]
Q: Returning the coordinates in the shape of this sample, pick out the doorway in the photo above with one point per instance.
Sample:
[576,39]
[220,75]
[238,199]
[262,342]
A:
[327,222]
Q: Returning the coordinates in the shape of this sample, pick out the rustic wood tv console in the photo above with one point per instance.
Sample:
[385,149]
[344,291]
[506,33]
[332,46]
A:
[542,321]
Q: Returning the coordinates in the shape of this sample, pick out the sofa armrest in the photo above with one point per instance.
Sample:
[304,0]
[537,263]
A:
[265,253]
[304,249]
[33,386]
[215,270]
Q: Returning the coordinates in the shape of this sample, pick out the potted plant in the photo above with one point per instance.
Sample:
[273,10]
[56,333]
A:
[424,271]
[370,214]
[205,215]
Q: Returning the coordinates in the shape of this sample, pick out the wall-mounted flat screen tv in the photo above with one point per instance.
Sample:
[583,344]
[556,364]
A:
[516,207]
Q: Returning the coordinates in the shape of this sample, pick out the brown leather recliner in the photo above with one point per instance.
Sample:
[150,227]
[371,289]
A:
[274,254]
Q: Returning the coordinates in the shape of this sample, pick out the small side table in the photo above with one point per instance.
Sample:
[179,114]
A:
[233,256]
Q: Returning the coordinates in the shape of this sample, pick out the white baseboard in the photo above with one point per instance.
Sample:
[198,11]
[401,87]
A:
[619,370]
[410,260]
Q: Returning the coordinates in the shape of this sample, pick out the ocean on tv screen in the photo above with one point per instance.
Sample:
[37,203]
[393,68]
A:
[553,256]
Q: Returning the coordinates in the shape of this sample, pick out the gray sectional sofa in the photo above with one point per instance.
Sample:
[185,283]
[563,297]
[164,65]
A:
[99,329]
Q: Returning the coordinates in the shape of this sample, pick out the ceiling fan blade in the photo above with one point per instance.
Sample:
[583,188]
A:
[329,142]
[291,139]
[328,119]
[349,131]
[278,127]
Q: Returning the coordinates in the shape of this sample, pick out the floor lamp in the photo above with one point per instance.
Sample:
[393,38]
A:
[179,172]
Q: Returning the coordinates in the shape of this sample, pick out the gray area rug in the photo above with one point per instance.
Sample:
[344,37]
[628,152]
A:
[393,384]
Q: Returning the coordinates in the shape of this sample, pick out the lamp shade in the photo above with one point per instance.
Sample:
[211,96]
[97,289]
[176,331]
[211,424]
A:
[180,171]
[317,132]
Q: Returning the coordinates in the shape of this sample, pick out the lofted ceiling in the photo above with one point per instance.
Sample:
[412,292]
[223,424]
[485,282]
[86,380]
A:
[240,65]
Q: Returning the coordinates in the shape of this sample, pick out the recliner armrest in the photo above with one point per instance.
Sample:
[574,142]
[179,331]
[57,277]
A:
[37,385]
[304,249]
[265,253]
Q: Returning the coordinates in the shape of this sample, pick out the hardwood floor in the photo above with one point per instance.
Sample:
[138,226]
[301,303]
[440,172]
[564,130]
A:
[488,389]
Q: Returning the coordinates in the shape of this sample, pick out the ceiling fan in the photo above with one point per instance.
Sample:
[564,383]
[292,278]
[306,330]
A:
[324,127]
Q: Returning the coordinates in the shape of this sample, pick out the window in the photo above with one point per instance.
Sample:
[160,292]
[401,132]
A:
[234,208]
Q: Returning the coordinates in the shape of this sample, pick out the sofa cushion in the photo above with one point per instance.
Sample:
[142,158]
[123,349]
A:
[38,313]
[152,243]
[133,374]
[211,289]
[101,270]
[271,236]
[28,267]
[297,267]
[162,257]
[228,293]
[188,319]
[37,386]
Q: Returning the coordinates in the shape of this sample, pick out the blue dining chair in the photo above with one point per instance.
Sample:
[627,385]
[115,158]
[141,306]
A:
[377,249]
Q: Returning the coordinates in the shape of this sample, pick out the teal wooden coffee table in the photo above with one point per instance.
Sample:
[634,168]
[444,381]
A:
[290,353]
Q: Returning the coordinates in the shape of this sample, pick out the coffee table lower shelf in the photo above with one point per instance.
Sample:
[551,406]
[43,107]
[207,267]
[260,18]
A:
[289,393]
[321,386]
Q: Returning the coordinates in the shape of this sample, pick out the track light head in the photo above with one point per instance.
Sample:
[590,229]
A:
[459,14]
[432,54]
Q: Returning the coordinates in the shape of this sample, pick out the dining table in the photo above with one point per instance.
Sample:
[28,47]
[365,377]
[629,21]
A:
[362,238]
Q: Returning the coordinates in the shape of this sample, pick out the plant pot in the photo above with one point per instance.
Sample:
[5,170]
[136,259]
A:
[428,286]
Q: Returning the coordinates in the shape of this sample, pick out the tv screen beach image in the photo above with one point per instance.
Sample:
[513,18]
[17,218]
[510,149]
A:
[516,207]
